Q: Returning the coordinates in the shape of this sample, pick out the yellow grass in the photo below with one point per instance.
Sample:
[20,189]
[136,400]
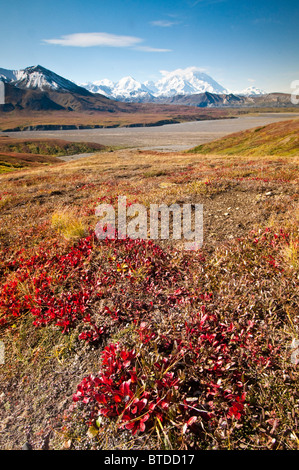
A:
[68,224]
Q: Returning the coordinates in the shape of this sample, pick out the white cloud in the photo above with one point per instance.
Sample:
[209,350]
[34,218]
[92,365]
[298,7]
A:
[151,49]
[95,39]
[163,23]
[103,40]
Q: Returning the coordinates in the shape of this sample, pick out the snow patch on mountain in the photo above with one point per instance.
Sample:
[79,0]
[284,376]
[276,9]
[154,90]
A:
[8,75]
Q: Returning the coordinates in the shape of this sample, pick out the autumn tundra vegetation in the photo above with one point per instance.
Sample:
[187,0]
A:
[140,344]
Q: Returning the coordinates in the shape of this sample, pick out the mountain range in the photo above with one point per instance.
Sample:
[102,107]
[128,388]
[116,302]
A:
[180,82]
[36,88]
[39,89]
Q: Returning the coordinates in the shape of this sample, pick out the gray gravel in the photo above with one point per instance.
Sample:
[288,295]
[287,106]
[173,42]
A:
[170,137]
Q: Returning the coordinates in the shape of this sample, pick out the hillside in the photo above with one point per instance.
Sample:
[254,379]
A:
[54,147]
[280,138]
[22,153]
[140,344]
[202,100]
[34,99]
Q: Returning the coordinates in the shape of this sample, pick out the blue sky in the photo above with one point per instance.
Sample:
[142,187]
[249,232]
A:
[238,43]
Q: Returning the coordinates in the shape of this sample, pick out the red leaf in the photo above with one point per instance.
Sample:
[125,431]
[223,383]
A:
[117,398]
[142,426]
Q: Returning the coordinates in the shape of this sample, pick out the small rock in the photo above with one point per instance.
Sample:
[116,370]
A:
[295,353]
[26,446]
[269,193]
[67,444]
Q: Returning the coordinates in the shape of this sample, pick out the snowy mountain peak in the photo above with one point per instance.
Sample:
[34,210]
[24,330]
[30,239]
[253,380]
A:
[129,89]
[251,91]
[177,82]
[38,77]
[104,82]
[104,87]
[129,84]
[126,89]
[186,82]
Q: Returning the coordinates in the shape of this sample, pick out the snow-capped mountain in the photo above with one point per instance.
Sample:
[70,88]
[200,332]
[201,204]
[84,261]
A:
[251,91]
[188,81]
[104,87]
[126,89]
[178,82]
[40,78]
